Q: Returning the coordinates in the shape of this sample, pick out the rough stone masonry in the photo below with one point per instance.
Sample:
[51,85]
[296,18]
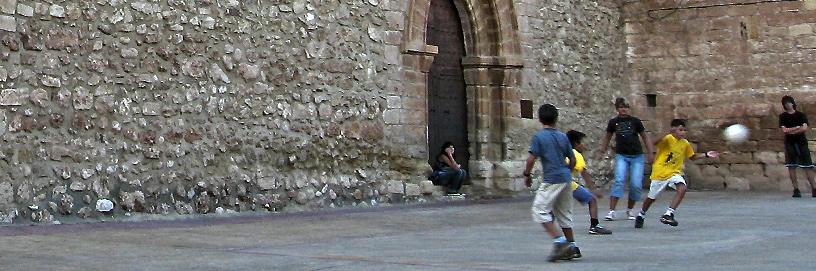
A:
[188,106]
[213,106]
[723,62]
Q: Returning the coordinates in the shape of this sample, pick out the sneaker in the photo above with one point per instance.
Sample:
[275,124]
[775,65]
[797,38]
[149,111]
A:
[638,222]
[629,215]
[599,230]
[668,220]
[796,193]
[576,252]
[610,216]
[813,193]
[561,251]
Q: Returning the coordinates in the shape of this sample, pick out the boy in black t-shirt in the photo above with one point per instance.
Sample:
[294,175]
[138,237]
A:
[630,161]
[793,124]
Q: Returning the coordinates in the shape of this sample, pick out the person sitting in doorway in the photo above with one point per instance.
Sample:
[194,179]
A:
[447,172]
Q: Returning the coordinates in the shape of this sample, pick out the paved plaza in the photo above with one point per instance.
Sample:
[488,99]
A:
[717,231]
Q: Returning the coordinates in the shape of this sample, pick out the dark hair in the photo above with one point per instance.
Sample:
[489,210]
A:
[444,146]
[788,99]
[575,137]
[547,114]
[678,122]
[621,102]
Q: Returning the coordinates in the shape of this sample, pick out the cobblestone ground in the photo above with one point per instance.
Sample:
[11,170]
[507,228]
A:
[717,231]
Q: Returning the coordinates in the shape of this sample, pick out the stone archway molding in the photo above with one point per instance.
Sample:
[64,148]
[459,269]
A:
[490,30]
[492,69]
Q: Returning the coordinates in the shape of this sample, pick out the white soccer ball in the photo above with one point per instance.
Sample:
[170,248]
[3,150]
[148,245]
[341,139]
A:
[736,133]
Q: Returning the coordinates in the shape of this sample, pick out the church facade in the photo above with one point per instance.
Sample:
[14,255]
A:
[220,106]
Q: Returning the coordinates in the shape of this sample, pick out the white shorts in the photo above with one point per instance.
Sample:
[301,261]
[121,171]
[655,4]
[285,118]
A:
[553,202]
[658,186]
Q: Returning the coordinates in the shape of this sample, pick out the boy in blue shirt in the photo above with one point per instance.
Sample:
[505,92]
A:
[553,200]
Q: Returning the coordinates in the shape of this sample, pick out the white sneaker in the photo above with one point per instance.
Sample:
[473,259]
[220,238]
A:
[629,214]
[610,216]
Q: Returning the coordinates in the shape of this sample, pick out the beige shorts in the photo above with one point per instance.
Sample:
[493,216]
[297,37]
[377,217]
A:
[553,202]
[658,186]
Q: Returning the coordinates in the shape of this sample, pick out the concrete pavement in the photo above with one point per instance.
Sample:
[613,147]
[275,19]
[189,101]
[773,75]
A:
[717,231]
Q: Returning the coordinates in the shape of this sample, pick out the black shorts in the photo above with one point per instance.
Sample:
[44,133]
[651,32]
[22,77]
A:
[797,155]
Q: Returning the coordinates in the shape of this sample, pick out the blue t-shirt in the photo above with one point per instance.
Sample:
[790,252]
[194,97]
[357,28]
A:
[552,147]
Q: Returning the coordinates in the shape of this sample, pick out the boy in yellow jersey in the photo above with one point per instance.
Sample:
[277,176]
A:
[672,151]
[580,192]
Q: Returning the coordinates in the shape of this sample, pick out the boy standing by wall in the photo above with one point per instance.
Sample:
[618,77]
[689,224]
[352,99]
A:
[553,200]
[794,124]
[667,170]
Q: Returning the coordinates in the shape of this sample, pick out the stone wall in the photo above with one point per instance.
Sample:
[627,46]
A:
[218,106]
[722,62]
[192,106]
[575,60]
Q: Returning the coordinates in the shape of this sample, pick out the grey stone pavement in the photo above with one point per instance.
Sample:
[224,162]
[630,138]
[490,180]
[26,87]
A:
[717,231]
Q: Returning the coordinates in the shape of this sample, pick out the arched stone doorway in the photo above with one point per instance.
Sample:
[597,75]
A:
[447,102]
[492,72]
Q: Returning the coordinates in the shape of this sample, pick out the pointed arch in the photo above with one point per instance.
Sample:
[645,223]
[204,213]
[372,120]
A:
[492,70]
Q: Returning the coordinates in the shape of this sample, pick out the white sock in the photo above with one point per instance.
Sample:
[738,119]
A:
[628,211]
[669,211]
[642,213]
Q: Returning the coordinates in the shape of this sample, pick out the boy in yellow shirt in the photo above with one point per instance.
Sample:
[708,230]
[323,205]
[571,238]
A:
[672,151]
[579,191]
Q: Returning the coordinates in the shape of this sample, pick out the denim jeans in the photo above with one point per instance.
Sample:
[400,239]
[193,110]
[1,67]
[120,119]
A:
[633,165]
[452,179]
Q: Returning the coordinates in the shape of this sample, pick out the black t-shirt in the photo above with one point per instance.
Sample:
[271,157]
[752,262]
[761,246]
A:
[793,120]
[627,130]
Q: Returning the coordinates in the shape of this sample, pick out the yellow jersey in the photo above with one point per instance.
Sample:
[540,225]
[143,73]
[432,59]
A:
[580,165]
[671,153]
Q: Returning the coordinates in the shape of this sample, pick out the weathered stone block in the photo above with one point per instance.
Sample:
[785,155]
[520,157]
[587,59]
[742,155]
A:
[8,23]
[412,189]
[57,11]
[737,183]
[800,30]
[746,170]
[427,187]
[736,158]
[12,96]
[395,187]
[25,10]
[769,158]
[7,6]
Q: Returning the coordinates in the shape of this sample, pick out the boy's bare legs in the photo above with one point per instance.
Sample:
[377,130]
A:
[795,181]
[809,174]
[646,204]
[613,202]
[792,174]
[678,197]
[568,234]
[593,209]
[551,229]
[642,214]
